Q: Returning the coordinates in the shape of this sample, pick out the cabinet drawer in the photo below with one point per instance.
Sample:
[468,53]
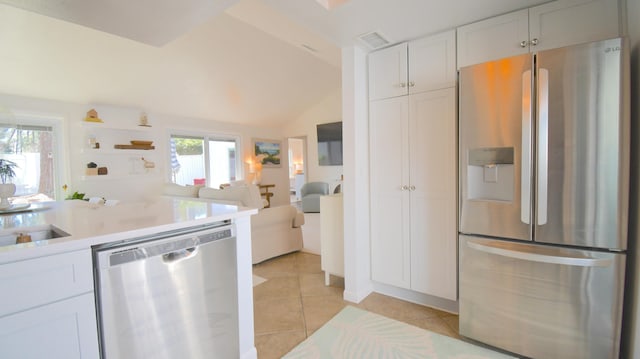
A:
[38,281]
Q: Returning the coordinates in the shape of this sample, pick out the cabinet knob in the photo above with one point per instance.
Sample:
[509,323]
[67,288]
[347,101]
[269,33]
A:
[534,42]
[404,188]
[523,43]
[411,84]
[412,188]
[403,85]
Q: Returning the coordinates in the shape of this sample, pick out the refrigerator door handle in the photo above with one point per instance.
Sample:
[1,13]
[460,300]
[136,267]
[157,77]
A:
[543,144]
[539,257]
[525,177]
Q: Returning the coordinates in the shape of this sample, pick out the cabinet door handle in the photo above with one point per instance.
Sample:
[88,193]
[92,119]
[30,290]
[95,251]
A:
[534,42]
[523,43]
[411,84]
[403,85]
[412,188]
[404,188]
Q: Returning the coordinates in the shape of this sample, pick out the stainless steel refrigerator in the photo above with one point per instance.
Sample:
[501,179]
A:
[543,155]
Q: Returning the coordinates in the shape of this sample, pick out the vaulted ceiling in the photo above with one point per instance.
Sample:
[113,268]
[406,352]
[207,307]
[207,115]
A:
[261,62]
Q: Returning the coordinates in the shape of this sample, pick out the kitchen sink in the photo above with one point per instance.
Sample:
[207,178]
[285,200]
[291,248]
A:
[39,233]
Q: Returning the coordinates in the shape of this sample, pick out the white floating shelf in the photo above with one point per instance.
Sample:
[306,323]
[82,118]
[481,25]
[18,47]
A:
[108,126]
[113,151]
[116,177]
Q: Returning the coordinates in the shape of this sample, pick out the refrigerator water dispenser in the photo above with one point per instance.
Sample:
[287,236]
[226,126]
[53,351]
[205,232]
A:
[490,174]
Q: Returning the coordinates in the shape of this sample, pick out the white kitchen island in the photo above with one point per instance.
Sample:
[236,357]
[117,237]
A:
[46,287]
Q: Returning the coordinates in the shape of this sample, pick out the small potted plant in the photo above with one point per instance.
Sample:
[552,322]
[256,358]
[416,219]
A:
[7,190]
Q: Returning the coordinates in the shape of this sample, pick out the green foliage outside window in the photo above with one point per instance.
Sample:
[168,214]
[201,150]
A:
[189,146]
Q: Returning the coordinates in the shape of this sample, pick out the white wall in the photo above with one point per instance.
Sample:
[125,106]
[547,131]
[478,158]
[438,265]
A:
[357,266]
[75,137]
[631,329]
[326,111]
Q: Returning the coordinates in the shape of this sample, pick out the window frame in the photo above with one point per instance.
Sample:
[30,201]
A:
[60,156]
[206,137]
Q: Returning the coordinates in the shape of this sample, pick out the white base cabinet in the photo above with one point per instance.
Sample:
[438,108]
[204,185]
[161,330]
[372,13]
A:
[65,329]
[433,188]
[47,309]
[389,177]
[413,192]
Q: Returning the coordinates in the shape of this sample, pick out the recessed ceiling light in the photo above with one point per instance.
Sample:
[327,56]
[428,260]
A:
[331,4]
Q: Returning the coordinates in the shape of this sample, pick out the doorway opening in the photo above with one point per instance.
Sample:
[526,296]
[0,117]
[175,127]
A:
[297,166]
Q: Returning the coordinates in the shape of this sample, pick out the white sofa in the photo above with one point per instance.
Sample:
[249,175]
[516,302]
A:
[274,231]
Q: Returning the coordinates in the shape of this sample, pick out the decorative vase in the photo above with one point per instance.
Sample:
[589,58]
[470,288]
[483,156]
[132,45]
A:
[6,190]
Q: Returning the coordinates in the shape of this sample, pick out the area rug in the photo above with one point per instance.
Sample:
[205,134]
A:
[356,333]
[257,280]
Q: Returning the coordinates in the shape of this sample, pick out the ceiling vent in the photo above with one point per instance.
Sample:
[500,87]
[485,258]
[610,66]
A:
[331,4]
[373,40]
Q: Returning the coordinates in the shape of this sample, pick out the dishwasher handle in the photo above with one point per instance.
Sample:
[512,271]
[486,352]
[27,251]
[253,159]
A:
[179,255]
[170,250]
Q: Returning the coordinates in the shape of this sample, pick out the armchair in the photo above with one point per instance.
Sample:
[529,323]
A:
[311,193]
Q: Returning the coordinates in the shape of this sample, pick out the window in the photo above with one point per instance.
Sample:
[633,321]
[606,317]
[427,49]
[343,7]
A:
[31,147]
[209,161]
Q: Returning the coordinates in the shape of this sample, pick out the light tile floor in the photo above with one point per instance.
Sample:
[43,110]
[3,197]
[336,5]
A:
[294,302]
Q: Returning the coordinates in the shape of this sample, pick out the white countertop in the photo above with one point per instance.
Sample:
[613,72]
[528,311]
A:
[91,224]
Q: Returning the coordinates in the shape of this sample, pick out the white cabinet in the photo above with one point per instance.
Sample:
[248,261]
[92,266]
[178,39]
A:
[388,72]
[433,189]
[389,176]
[564,23]
[65,329]
[413,192]
[547,26]
[494,38]
[331,236]
[48,310]
[417,66]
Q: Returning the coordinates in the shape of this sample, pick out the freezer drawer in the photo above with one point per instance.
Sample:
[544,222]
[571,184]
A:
[541,301]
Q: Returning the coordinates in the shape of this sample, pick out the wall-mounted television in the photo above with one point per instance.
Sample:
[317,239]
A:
[330,144]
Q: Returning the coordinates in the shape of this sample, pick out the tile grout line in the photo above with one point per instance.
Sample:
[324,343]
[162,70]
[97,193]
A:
[304,319]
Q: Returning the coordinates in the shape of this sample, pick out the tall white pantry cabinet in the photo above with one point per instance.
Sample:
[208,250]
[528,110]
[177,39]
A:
[413,167]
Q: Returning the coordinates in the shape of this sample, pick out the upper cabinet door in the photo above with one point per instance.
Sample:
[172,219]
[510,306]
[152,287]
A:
[559,24]
[388,72]
[432,62]
[501,36]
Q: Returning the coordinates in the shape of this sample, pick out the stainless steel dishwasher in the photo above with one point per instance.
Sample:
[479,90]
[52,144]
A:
[171,295]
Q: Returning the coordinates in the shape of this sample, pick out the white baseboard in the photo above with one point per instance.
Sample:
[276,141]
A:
[250,354]
[418,298]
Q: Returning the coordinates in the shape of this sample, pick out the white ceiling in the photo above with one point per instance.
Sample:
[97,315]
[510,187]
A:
[261,62]
[397,20]
[149,21]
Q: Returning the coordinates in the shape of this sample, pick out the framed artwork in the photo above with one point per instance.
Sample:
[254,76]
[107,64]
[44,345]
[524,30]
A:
[267,152]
